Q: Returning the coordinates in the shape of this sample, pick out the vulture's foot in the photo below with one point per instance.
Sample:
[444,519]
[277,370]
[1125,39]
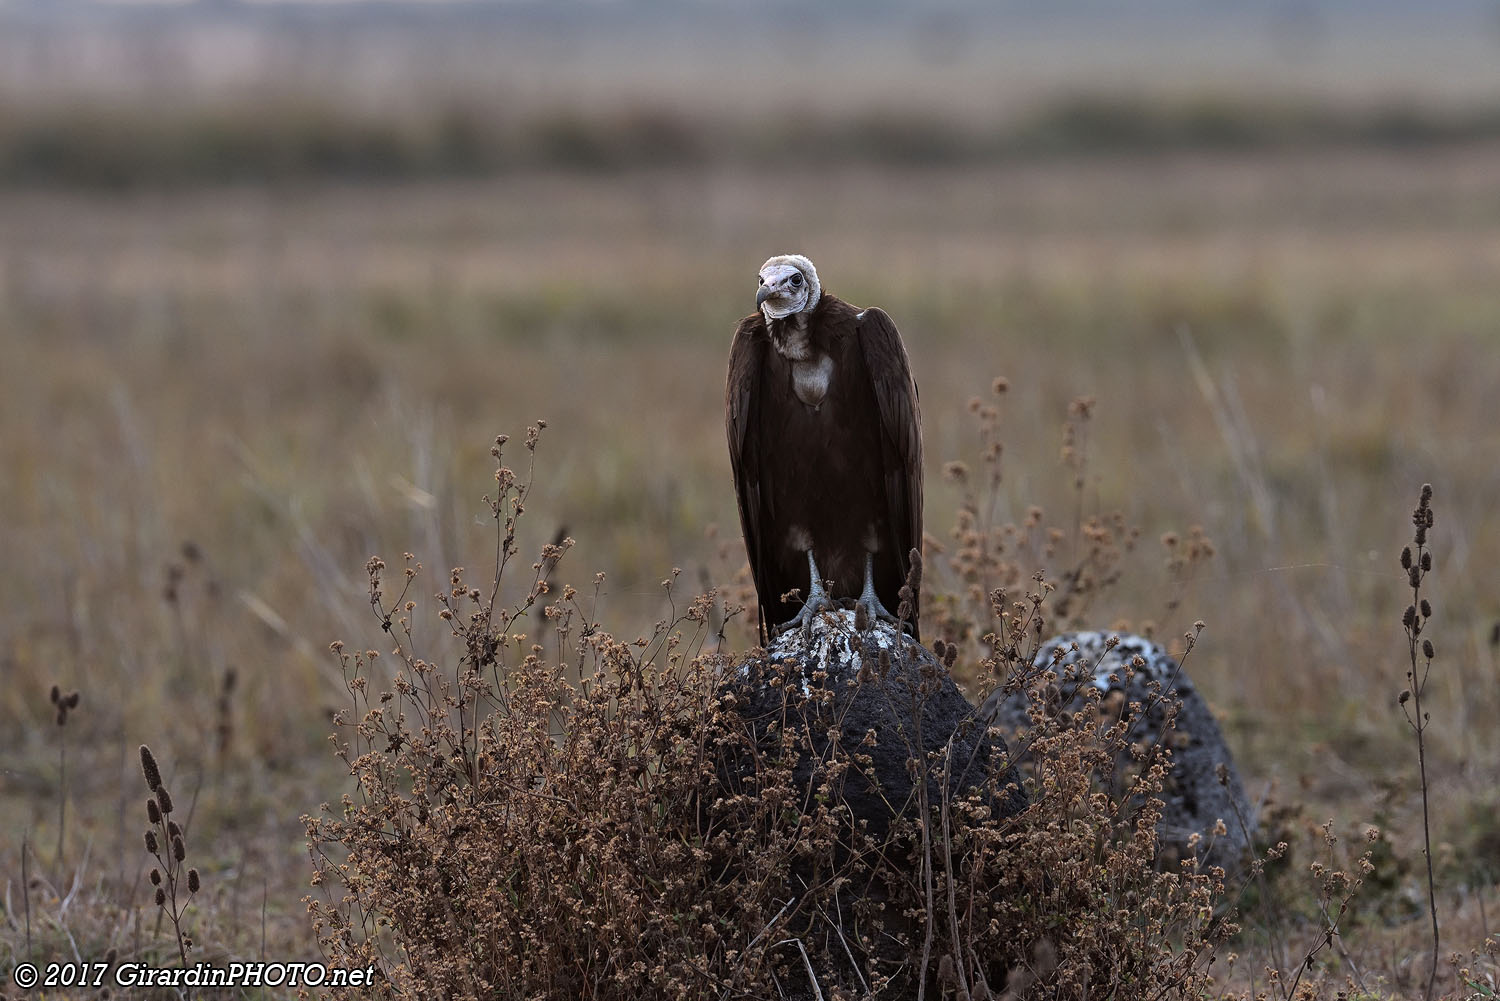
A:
[870,601]
[817,601]
[811,608]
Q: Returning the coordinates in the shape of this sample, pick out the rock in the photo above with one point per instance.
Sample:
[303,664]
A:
[1203,785]
[834,683]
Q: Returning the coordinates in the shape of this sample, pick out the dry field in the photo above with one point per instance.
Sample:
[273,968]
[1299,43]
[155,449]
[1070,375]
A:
[215,405]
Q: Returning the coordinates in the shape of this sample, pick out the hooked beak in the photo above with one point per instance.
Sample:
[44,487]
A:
[762,295]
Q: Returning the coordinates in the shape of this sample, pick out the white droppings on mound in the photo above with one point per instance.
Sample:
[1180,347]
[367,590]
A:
[832,645]
[1094,651]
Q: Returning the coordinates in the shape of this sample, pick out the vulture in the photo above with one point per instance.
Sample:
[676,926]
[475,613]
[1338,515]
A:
[825,442]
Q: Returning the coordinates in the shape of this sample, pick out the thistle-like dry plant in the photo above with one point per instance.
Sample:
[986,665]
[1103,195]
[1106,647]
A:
[1416,618]
[577,814]
[63,704]
[173,882]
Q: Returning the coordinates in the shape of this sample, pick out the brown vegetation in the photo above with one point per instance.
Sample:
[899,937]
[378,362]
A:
[551,816]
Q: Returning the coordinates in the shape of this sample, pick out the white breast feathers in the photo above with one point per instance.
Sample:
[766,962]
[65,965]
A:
[810,380]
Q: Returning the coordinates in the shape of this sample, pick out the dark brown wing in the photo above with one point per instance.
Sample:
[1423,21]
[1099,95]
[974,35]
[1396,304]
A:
[901,436]
[741,400]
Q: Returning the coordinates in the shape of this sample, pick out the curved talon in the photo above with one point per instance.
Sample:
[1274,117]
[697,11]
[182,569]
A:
[875,610]
[804,618]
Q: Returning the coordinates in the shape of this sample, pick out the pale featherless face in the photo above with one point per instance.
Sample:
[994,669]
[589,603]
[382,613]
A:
[788,284]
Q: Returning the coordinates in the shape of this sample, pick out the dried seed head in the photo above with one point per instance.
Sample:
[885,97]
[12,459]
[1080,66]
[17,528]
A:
[179,850]
[151,844]
[148,766]
[885,663]
[1426,609]
[951,656]
[153,812]
[193,883]
[1427,649]
[1404,697]
[161,896]
[1426,562]
[1406,558]
[1414,577]
[1426,494]
[1409,617]
[71,702]
[56,694]
[861,618]
[155,876]
[164,799]
[940,649]
[173,831]
[62,715]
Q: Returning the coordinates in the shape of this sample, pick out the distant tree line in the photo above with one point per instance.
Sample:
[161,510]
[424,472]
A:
[103,145]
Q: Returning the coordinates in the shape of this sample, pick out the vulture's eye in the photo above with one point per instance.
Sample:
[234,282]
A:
[796,278]
[762,281]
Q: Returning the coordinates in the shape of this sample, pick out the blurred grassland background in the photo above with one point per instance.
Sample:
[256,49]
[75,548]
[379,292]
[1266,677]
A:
[273,276]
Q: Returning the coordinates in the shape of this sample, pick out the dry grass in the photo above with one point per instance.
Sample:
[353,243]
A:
[1279,349]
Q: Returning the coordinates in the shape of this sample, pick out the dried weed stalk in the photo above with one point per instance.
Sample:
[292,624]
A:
[174,883]
[1416,618]
[63,704]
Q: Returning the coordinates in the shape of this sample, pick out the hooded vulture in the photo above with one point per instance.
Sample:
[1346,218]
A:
[825,440]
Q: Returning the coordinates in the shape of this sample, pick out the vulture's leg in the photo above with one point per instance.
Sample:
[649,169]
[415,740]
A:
[873,608]
[817,601]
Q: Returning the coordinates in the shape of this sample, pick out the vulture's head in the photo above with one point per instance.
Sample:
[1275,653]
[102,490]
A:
[788,284]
